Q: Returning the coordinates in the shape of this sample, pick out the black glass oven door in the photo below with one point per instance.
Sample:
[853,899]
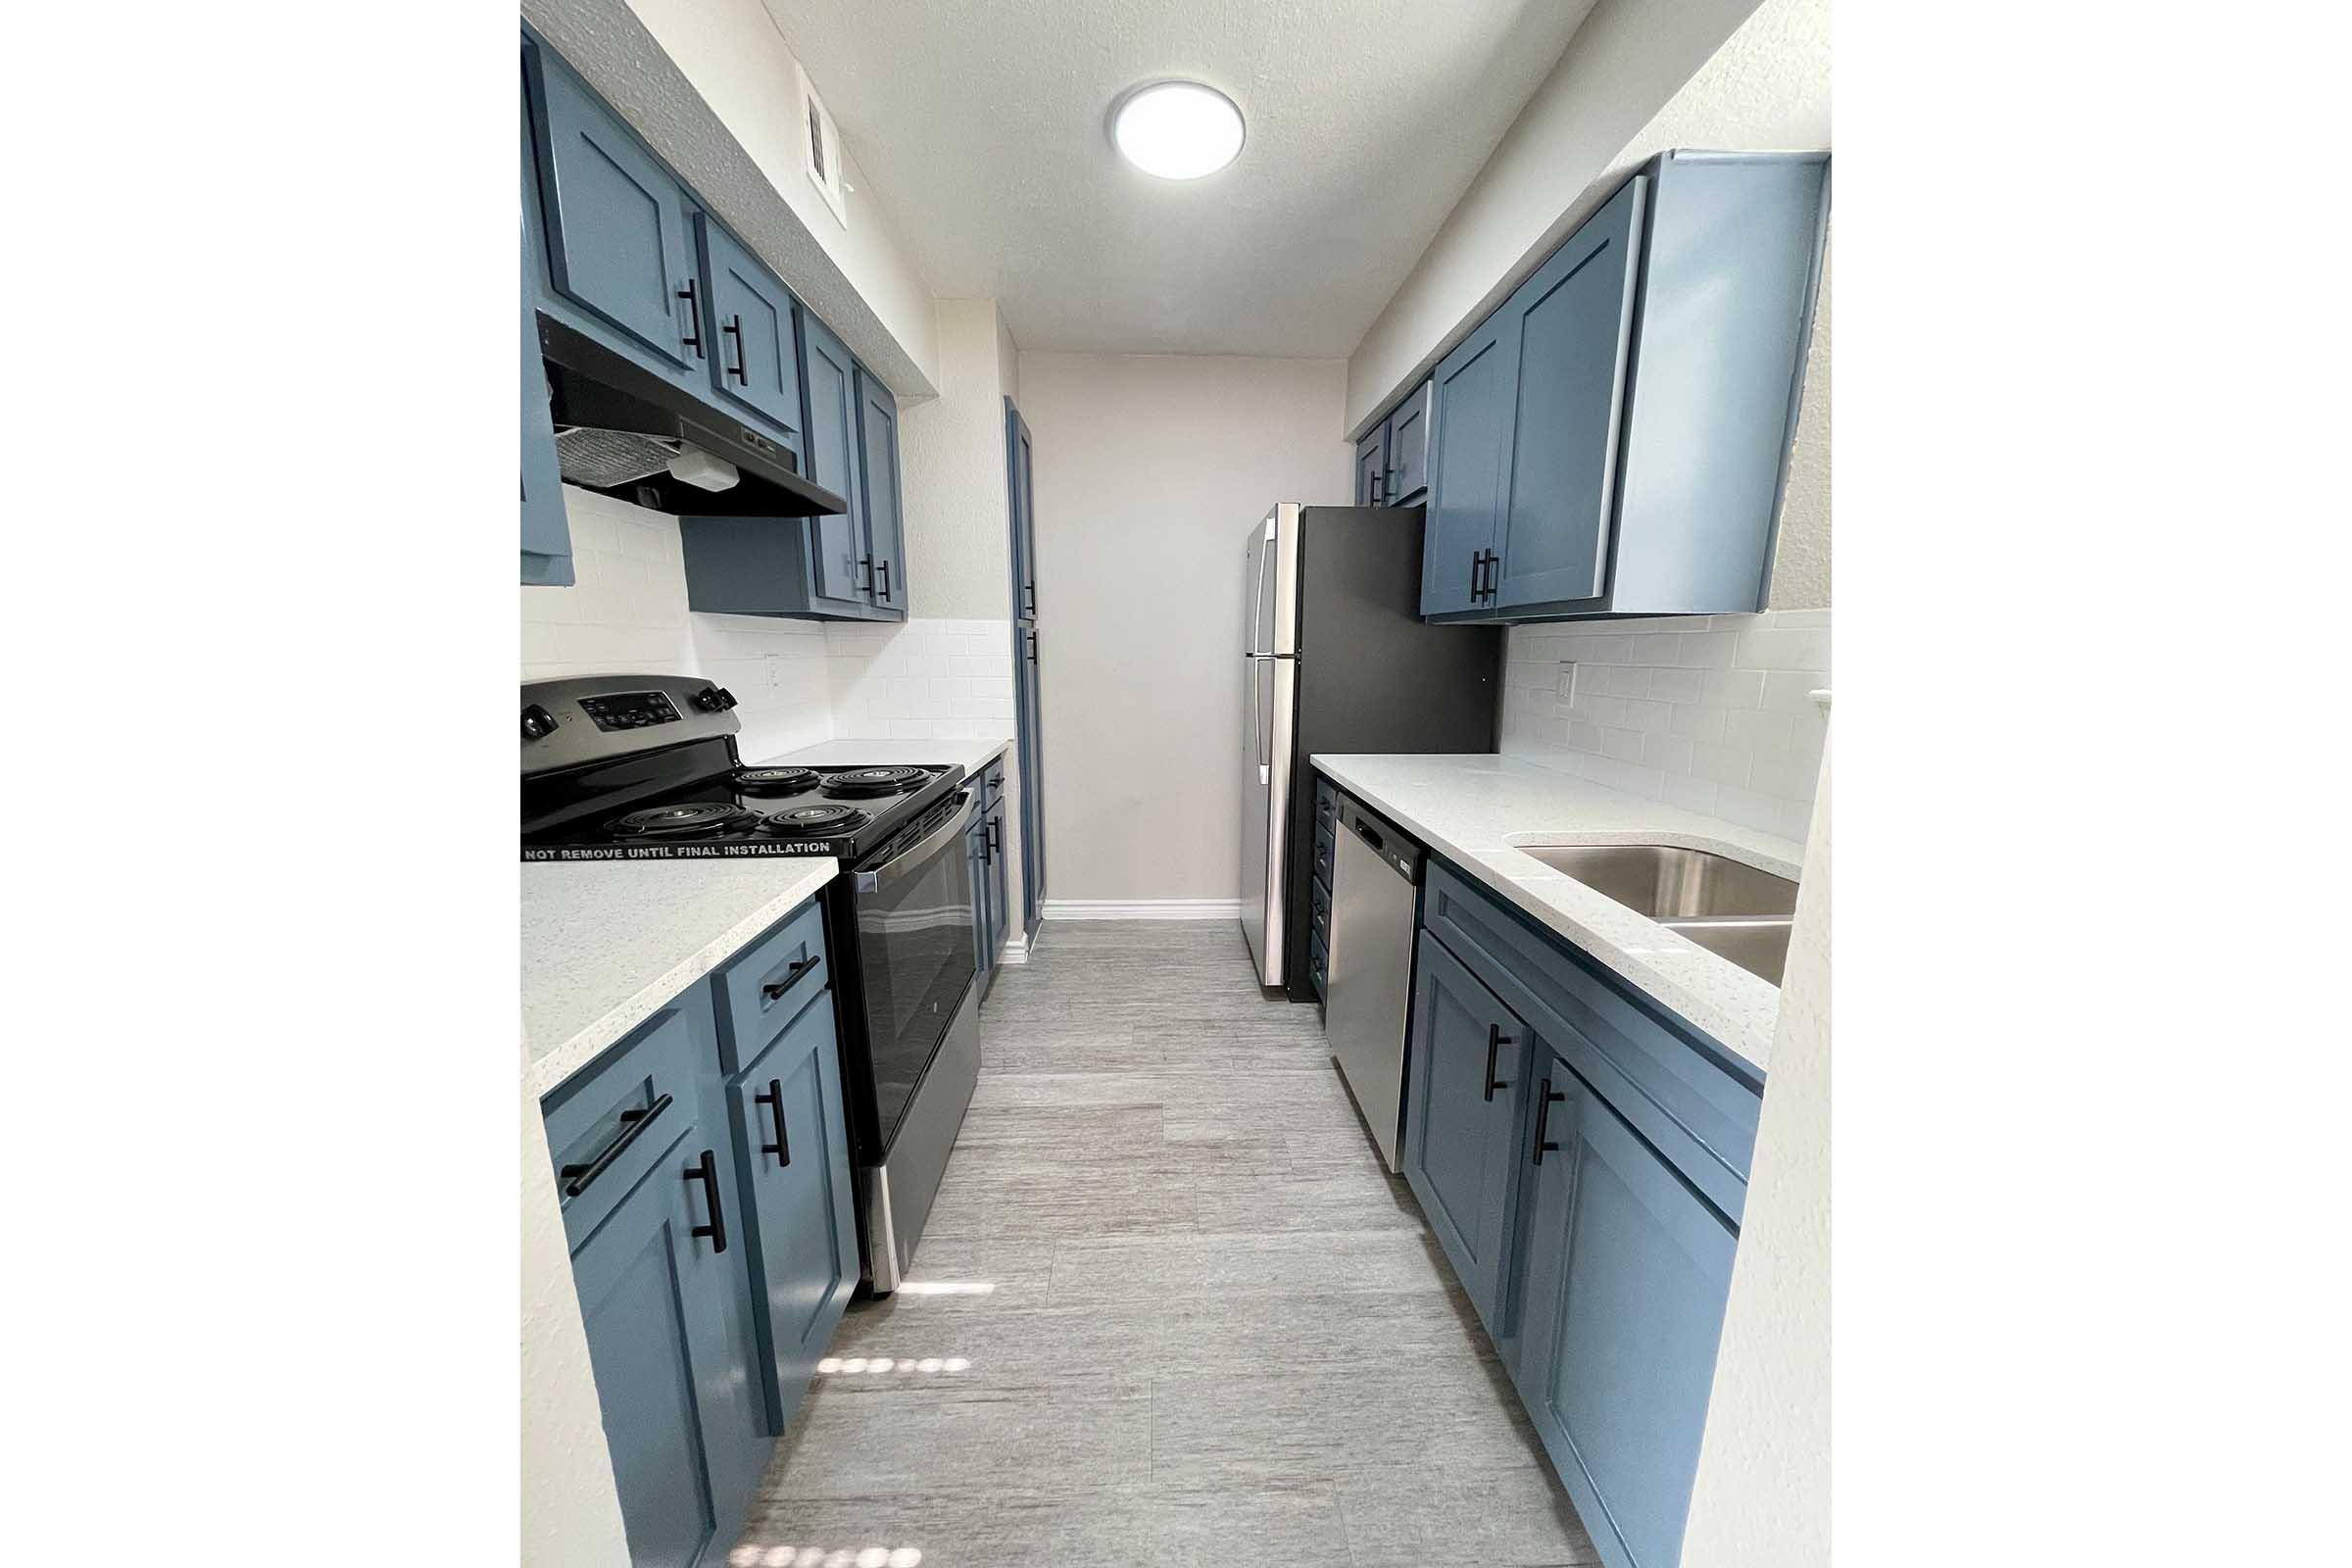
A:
[915,949]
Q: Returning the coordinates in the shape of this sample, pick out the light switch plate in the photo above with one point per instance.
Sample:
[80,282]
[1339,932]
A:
[1567,681]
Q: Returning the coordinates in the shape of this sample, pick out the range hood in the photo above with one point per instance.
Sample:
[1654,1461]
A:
[620,430]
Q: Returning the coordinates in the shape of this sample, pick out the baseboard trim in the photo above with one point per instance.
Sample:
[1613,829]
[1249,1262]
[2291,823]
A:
[1143,909]
[1014,951]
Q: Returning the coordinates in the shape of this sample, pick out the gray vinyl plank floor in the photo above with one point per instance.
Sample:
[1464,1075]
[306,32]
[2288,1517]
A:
[1168,1309]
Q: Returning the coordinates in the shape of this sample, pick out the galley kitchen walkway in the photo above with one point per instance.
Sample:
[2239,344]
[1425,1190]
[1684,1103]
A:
[1169,1310]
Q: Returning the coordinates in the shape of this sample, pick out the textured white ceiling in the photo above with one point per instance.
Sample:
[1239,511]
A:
[982,126]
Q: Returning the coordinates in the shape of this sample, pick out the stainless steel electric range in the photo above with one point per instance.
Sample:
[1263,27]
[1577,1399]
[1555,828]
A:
[645,767]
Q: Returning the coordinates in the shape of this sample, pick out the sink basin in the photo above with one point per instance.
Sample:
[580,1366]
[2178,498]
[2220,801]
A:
[1667,883]
[1760,947]
[1725,905]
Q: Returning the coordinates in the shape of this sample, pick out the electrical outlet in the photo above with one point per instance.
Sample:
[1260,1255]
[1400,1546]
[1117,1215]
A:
[1567,682]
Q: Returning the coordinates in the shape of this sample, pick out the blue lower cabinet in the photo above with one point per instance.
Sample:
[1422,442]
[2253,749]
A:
[654,1281]
[975,849]
[1625,1273]
[800,1226]
[1464,1088]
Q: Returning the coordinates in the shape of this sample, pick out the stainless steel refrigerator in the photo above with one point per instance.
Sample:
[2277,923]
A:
[1339,660]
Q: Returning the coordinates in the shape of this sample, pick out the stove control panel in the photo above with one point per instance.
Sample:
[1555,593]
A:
[629,710]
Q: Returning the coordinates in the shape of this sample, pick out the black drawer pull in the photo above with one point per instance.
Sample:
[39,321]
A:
[694,319]
[1496,1040]
[774,1096]
[1543,1120]
[884,568]
[633,1122]
[706,1171]
[774,991]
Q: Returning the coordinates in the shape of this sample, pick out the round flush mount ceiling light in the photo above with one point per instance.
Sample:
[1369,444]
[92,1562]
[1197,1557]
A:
[1176,129]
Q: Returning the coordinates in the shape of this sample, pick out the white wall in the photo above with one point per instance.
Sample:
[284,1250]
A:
[952,457]
[627,615]
[1761,1499]
[1706,712]
[1624,63]
[1150,471]
[570,1503]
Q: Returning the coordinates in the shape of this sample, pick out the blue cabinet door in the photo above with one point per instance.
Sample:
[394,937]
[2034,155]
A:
[652,1296]
[758,362]
[997,894]
[1625,1270]
[546,531]
[1475,388]
[1028,730]
[1573,320]
[829,385]
[1464,1093]
[1408,449]
[791,1134]
[975,854]
[617,239]
[878,484]
[1372,467]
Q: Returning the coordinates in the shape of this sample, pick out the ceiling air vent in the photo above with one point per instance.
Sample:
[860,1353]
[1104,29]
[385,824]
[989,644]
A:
[820,151]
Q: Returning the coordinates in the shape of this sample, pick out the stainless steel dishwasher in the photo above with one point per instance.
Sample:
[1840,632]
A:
[1374,876]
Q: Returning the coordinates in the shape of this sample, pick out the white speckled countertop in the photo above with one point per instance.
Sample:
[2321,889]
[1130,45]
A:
[606,943]
[1480,812]
[973,754]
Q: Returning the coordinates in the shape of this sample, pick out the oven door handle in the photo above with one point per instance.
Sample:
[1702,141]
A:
[910,862]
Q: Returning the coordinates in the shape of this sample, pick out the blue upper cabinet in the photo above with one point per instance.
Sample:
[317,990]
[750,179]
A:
[617,225]
[1476,387]
[1464,1088]
[759,361]
[842,573]
[1612,440]
[1408,449]
[1573,322]
[1372,467]
[878,490]
[546,530]
[1626,1274]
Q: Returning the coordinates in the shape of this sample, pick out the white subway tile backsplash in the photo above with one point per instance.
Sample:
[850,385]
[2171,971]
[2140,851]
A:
[1711,713]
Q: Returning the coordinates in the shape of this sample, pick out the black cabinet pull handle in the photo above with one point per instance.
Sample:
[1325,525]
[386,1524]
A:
[1030,589]
[773,1098]
[884,568]
[1033,644]
[739,370]
[694,317]
[1379,479]
[1478,574]
[633,1122]
[1543,1120]
[774,990]
[867,563]
[996,846]
[1496,1040]
[706,1171]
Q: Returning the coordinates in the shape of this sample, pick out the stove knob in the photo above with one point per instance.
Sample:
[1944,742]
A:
[537,722]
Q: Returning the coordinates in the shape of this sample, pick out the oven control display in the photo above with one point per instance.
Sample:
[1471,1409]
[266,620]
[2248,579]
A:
[629,710]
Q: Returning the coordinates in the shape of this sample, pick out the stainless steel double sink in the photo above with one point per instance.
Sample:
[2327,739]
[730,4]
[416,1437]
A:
[1725,905]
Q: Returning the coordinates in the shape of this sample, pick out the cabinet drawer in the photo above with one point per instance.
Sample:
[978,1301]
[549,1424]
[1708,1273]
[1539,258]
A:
[1319,965]
[1327,805]
[992,786]
[1326,849]
[612,1122]
[1319,898]
[768,984]
[1676,1090]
